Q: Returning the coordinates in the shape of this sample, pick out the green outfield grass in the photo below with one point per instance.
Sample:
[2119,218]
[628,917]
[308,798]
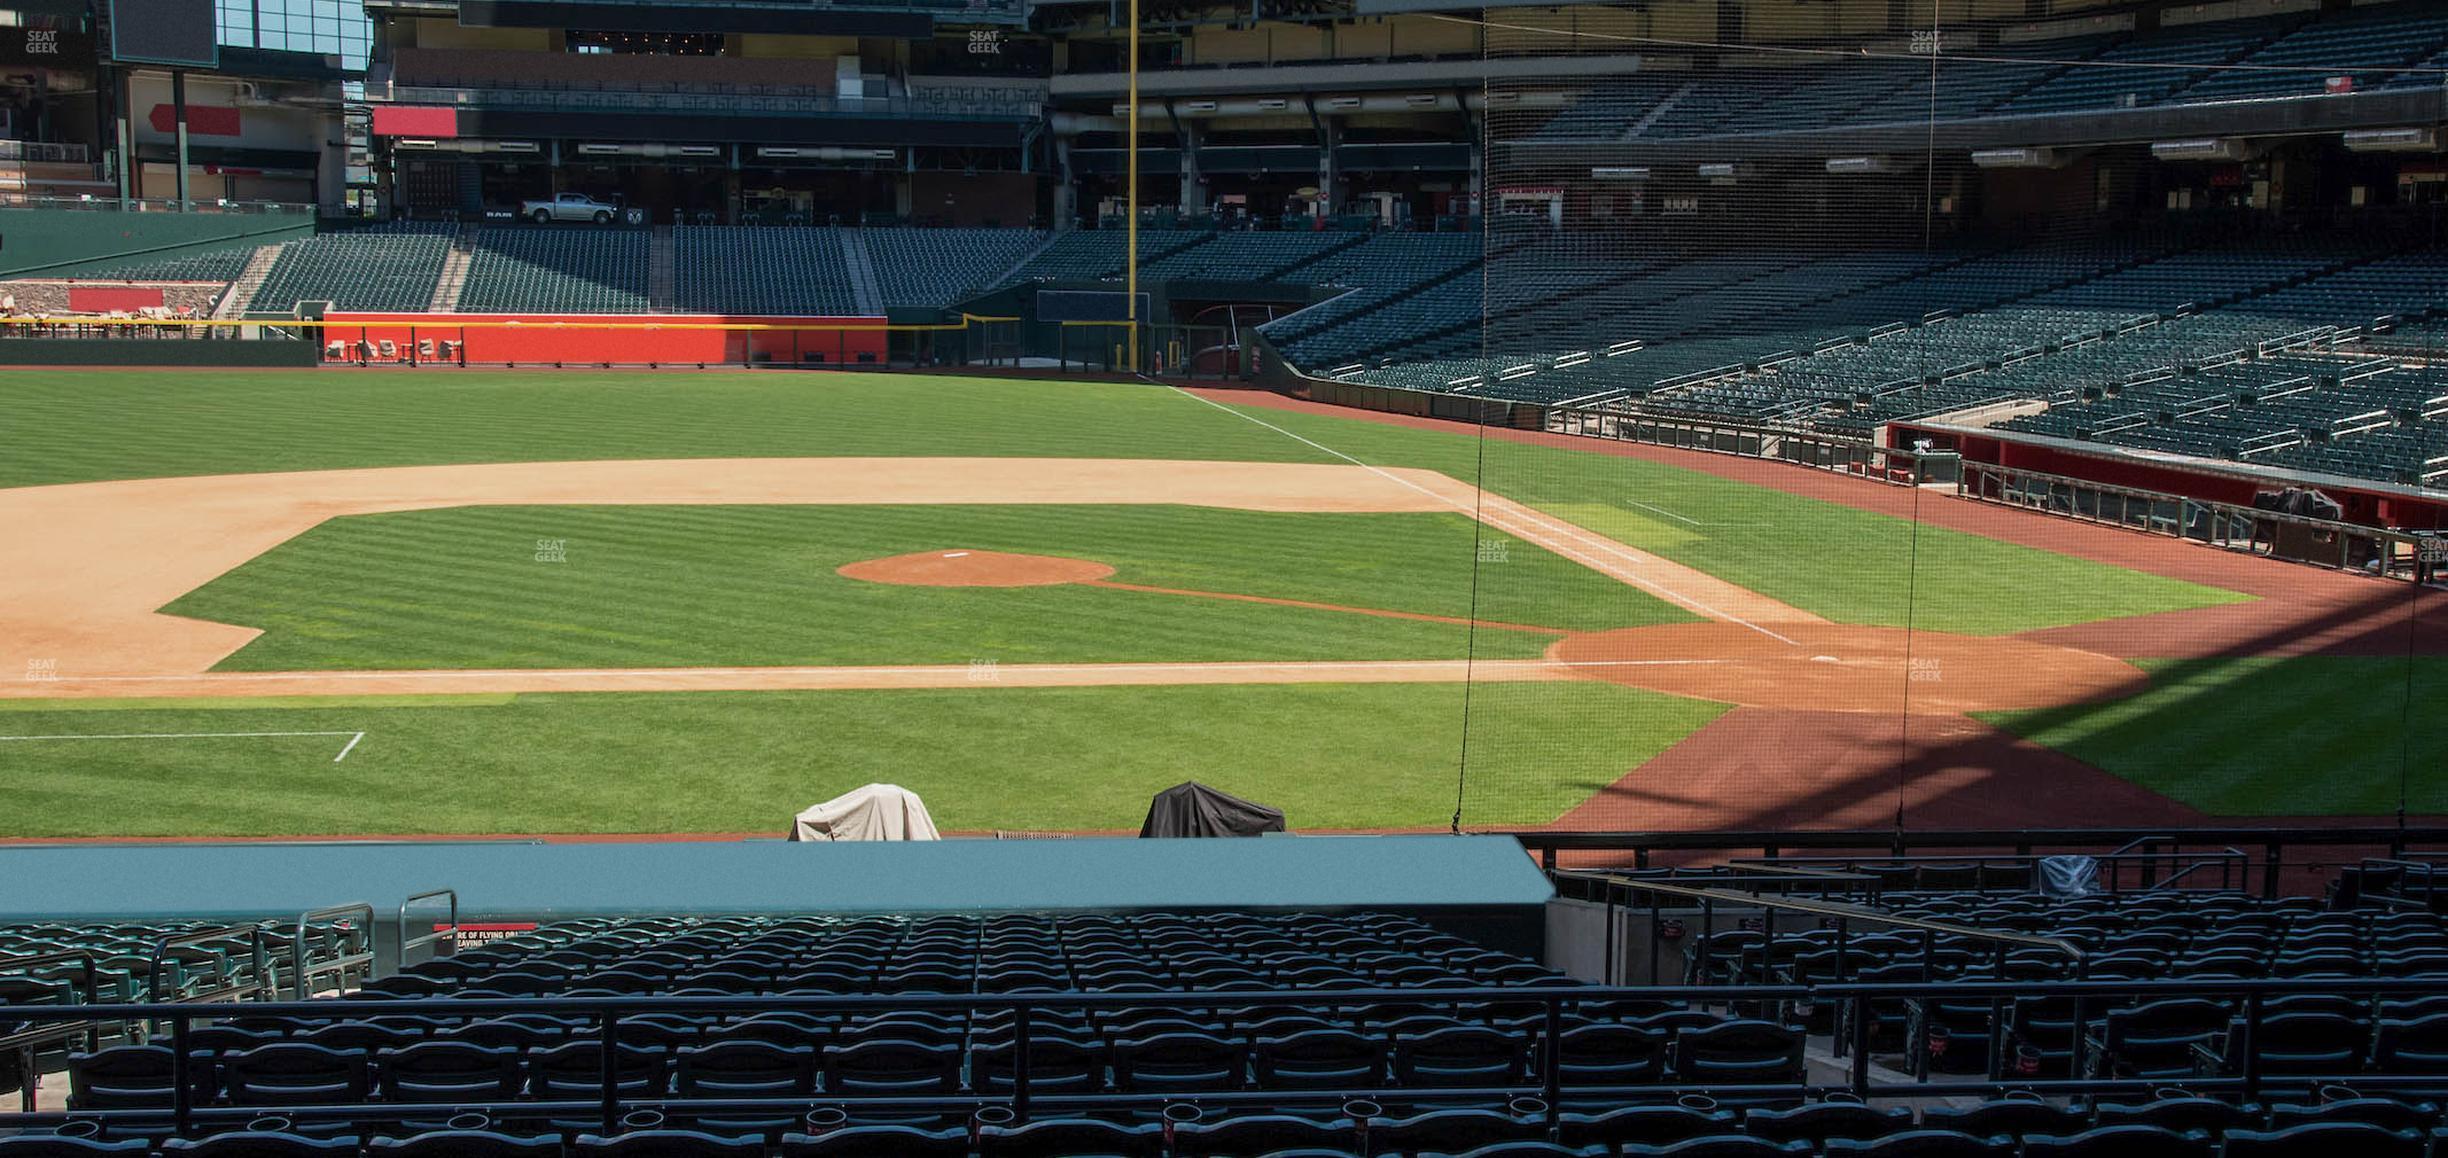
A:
[653,586]
[2307,736]
[699,586]
[1330,755]
[1848,565]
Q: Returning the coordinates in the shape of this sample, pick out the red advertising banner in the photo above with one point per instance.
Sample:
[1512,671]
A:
[437,121]
[202,120]
[102,299]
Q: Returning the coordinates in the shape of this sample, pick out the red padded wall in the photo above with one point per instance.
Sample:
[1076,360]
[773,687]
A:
[623,339]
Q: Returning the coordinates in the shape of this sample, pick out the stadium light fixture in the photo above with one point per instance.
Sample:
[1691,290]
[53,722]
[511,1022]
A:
[2019,159]
[2203,149]
[2393,141]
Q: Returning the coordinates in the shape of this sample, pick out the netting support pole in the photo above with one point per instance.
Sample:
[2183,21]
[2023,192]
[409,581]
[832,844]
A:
[1130,222]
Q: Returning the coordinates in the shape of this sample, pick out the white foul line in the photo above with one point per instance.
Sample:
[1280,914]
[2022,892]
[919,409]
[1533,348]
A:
[352,744]
[1227,665]
[1665,512]
[1565,529]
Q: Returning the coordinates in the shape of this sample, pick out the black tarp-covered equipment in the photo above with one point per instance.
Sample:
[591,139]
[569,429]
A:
[2300,501]
[1194,809]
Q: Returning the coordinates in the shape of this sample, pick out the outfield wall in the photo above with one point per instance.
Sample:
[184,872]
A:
[104,352]
[607,339]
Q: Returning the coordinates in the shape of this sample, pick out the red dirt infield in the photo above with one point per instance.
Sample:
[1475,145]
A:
[1842,668]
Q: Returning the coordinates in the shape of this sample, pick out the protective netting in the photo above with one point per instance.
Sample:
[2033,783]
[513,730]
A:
[2059,368]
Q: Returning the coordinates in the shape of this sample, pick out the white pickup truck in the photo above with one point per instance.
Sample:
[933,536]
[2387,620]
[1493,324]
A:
[568,207]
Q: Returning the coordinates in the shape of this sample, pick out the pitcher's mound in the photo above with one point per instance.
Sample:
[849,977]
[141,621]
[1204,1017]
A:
[975,569]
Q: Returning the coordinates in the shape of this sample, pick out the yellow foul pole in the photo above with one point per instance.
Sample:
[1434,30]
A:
[1130,241]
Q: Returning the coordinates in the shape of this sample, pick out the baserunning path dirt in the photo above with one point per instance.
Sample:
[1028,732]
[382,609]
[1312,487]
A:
[103,556]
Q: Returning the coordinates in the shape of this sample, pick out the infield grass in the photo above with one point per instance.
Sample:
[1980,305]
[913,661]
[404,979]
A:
[714,586]
[1845,564]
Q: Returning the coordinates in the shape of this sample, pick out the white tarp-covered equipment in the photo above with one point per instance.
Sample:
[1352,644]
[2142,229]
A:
[875,812]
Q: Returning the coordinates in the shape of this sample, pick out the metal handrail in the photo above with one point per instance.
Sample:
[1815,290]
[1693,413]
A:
[27,1041]
[1546,845]
[1844,914]
[2226,858]
[607,1011]
[2429,871]
[1839,909]
[1857,1015]
[264,982]
[303,978]
[399,956]
[2223,859]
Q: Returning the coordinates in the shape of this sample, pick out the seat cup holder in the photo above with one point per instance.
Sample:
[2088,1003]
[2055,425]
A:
[1362,1109]
[642,1120]
[985,1117]
[78,1128]
[2328,1094]
[269,1124]
[1698,1103]
[1842,1098]
[1176,1115]
[468,1121]
[2171,1093]
[824,1118]
[1527,1107]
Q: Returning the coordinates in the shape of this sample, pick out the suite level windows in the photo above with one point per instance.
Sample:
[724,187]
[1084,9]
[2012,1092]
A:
[645,43]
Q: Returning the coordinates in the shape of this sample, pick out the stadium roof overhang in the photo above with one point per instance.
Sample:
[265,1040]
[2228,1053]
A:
[773,130]
[796,20]
[1294,79]
[2283,117]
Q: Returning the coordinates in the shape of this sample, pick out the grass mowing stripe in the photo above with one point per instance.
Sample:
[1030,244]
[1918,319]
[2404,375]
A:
[1331,755]
[653,586]
[1836,561]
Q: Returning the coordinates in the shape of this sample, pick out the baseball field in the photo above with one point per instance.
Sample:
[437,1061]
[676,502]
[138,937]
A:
[416,602]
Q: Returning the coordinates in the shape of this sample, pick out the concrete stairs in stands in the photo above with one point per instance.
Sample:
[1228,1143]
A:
[453,281]
[861,266]
[1660,109]
[241,295]
[1043,244]
[662,272]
